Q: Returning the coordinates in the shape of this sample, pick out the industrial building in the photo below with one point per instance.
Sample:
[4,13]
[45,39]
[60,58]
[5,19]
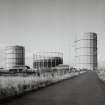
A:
[86,51]
[43,62]
[15,57]
[47,63]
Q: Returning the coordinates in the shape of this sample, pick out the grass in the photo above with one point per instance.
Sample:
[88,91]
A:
[101,74]
[15,85]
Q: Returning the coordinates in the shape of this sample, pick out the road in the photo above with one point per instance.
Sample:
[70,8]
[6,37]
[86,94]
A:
[85,89]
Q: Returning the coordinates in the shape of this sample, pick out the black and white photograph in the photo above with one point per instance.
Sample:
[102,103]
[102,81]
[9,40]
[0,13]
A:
[52,52]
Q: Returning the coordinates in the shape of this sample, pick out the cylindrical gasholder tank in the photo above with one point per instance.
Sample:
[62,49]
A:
[15,57]
[86,51]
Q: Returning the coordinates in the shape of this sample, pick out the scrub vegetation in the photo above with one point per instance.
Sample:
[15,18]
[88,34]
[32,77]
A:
[16,85]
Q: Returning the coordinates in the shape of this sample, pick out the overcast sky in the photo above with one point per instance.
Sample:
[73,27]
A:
[51,25]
